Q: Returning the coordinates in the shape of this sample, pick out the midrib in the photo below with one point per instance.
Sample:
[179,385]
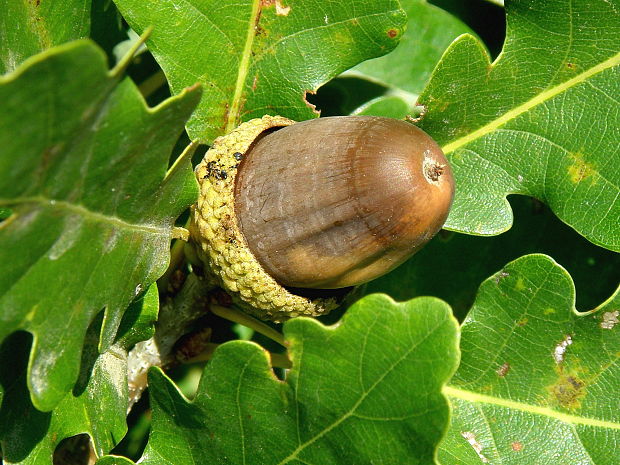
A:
[244,64]
[537,100]
[85,213]
[475,397]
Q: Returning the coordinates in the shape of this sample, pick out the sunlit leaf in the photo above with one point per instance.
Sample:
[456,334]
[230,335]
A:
[538,382]
[260,57]
[32,26]
[96,406]
[92,204]
[366,391]
[541,120]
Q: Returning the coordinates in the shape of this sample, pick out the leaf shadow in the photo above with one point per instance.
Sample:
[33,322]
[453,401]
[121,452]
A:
[22,426]
[90,353]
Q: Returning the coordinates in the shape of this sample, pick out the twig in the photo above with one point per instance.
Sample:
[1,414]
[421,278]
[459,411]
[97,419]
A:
[175,318]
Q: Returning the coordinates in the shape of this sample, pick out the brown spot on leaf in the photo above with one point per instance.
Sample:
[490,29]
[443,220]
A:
[568,391]
[610,319]
[281,10]
[517,446]
[503,370]
[570,65]
[392,33]
[442,106]
[224,117]
[580,169]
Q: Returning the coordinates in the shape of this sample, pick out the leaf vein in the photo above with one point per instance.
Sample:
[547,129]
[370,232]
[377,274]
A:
[475,397]
[533,102]
[363,396]
[86,213]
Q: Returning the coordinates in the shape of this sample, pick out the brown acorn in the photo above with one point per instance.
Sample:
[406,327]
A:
[326,203]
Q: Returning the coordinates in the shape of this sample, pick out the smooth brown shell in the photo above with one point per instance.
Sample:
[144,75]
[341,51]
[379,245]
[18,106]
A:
[335,202]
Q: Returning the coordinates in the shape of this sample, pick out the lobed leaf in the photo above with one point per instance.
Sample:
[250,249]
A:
[389,106]
[96,406]
[429,32]
[92,204]
[257,57]
[541,120]
[538,381]
[365,391]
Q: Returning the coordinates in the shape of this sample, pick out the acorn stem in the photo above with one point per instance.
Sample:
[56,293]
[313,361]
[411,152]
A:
[176,317]
[237,316]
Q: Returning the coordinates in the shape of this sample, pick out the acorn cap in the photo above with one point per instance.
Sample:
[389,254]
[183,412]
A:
[219,242]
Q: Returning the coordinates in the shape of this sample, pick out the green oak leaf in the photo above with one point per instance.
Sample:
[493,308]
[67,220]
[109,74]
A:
[538,382]
[96,406]
[28,27]
[92,203]
[257,57]
[541,120]
[463,259]
[429,32]
[364,391]
[388,106]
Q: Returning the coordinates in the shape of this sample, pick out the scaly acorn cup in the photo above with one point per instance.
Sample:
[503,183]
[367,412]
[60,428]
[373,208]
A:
[322,204]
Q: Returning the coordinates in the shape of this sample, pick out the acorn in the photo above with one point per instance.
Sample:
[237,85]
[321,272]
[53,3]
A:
[321,204]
